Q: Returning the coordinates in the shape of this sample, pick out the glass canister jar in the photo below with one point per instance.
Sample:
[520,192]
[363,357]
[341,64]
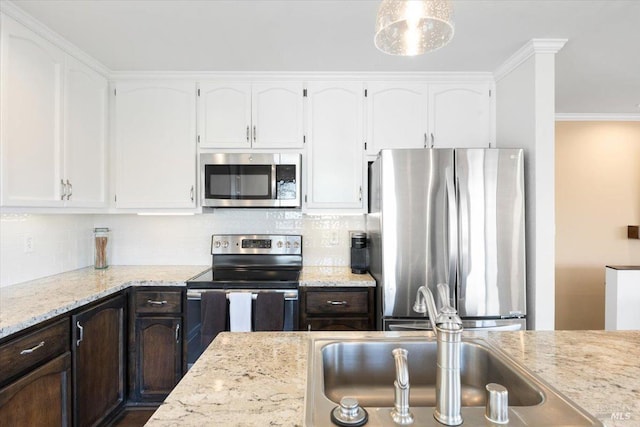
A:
[101,251]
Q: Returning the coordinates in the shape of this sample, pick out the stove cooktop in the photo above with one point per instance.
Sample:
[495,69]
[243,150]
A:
[245,278]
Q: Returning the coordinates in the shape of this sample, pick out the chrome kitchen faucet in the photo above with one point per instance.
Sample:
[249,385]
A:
[447,326]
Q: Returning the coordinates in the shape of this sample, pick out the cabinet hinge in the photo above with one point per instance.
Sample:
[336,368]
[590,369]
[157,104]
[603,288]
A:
[304,93]
[365,93]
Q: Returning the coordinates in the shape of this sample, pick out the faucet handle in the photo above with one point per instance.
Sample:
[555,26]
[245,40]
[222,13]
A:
[448,316]
[444,294]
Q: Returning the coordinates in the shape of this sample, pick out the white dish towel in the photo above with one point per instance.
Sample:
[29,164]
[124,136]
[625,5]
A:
[240,311]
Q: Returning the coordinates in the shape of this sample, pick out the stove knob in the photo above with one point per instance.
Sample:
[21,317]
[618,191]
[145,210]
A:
[296,245]
[279,243]
[288,245]
[225,244]
[216,244]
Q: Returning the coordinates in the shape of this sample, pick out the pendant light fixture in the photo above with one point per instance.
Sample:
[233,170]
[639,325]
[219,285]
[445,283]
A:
[413,27]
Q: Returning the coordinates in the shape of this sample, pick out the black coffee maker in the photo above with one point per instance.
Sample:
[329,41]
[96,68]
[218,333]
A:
[359,252]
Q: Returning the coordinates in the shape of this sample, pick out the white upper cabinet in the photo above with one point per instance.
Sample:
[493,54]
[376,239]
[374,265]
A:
[335,146]
[155,137]
[250,115]
[397,115]
[85,131]
[276,113]
[224,115]
[54,121]
[460,115]
[31,108]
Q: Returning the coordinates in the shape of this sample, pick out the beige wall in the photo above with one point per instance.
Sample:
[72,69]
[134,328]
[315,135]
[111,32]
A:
[597,196]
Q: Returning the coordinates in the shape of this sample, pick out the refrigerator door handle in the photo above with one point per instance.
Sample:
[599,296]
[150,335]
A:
[453,230]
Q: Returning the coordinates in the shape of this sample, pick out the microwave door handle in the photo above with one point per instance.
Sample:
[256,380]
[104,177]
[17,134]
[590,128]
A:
[274,168]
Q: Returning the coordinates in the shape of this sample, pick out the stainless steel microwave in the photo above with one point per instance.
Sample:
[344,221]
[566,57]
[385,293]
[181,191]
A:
[247,180]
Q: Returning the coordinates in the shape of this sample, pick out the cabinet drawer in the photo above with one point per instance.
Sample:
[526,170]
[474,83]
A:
[22,353]
[337,302]
[158,301]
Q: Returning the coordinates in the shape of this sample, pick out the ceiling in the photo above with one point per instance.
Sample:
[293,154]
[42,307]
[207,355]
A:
[597,71]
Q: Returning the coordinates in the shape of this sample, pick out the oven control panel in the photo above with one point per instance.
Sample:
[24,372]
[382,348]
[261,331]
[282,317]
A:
[289,244]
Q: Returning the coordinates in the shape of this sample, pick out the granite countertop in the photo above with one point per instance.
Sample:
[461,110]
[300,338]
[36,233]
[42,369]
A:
[29,303]
[26,304]
[334,276]
[258,379]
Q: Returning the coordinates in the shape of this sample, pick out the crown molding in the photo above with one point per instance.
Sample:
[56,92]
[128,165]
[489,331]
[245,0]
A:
[597,117]
[532,47]
[427,76]
[13,11]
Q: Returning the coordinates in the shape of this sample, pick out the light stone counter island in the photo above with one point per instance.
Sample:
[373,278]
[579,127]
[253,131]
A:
[259,378]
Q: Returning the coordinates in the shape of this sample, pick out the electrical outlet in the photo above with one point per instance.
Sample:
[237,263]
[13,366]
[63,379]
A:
[28,244]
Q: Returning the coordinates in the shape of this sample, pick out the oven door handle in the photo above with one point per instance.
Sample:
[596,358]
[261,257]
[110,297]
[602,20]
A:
[289,295]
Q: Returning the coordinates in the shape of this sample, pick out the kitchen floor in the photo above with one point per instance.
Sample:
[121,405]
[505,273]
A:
[133,417]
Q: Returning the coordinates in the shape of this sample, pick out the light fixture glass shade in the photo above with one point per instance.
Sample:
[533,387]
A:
[413,27]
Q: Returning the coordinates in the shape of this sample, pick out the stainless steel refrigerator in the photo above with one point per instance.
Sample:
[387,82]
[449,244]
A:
[452,216]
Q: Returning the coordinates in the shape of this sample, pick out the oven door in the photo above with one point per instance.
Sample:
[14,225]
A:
[194,322]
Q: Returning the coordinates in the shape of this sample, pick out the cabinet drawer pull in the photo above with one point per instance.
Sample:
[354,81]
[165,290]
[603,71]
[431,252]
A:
[70,187]
[152,302]
[32,349]
[336,302]
[79,340]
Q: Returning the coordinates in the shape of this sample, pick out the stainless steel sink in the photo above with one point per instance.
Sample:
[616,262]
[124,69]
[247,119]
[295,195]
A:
[364,369]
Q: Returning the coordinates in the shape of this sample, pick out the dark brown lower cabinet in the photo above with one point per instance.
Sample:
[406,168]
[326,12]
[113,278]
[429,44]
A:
[157,351]
[40,398]
[98,349]
[337,308]
[159,356]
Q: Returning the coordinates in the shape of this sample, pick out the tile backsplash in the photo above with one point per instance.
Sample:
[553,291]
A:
[34,246]
[65,242]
